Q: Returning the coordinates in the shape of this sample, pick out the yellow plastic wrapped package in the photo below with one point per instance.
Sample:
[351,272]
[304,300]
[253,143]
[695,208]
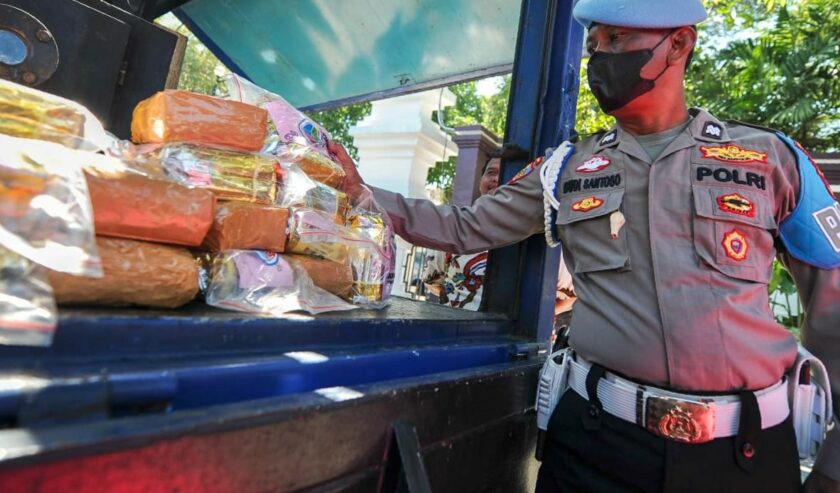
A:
[182,116]
[229,175]
[32,114]
[373,261]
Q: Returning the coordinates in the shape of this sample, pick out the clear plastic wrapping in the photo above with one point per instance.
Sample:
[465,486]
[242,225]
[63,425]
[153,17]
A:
[245,226]
[296,189]
[229,175]
[313,163]
[264,282]
[28,315]
[45,211]
[182,116]
[315,233]
[365,244]
[32,114]
[373,262]
[136,200]
[331,276]
[135,273]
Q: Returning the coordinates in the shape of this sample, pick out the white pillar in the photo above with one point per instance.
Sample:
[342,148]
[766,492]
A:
[398,143]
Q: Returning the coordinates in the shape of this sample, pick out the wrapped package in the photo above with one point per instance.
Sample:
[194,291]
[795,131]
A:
[314,233]
[28,315]
[244,226]
[330,276]
[182,116]
[314,164]
[296,190]
[229,175]
[373,262]
[45,212]
[135,273]
[265,282]
[142,203]
[32,114]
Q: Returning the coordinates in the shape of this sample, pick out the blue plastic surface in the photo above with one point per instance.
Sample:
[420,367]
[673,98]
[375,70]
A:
[313,52]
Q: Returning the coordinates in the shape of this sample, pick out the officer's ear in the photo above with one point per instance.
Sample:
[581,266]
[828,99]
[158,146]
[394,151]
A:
[682,44]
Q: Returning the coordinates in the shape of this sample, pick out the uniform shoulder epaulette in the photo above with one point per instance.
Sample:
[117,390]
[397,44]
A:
[753,125]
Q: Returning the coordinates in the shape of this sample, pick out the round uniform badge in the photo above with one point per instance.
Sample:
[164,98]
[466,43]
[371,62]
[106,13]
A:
[736,246]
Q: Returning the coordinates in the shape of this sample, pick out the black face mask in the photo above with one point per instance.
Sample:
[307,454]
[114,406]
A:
[615,78]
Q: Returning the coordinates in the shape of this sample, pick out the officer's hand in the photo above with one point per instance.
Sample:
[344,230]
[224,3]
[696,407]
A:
[819,483]
[353,184]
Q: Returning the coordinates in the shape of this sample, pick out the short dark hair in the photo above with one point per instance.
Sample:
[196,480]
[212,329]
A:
[491,156]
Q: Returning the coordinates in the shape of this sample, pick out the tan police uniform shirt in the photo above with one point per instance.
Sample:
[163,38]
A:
[679,298]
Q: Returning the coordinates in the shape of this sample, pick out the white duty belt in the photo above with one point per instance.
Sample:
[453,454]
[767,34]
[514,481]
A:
[680,417]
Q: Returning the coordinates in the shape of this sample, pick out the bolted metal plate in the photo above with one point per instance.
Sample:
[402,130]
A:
[28,51]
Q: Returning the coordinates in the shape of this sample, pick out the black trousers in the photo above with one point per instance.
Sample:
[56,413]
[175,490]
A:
[620,456]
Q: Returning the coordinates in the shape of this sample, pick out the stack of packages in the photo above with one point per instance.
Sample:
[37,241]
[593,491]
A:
[201,176]
[346,249]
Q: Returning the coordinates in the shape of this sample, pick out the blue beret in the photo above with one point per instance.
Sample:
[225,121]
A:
[654,14]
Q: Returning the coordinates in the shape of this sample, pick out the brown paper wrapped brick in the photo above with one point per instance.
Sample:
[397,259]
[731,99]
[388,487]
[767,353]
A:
[244,226]
[128,205]
[182,116]
[330,276]
[136,273]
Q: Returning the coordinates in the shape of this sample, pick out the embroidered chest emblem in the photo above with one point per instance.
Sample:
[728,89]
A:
[593,165]
[736,203]
[735,245]
[732,153]
[587,204]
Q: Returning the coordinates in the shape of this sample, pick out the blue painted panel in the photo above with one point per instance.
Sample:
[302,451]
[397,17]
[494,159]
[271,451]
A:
[195,382]
[315,51]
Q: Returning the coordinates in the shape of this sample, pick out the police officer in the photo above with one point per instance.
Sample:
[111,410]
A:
[670,222]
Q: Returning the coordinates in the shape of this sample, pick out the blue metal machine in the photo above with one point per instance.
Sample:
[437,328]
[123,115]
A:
[413,398]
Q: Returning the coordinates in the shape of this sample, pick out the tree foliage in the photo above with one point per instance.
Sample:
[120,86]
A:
[471,108]
[784,75]
[201,70]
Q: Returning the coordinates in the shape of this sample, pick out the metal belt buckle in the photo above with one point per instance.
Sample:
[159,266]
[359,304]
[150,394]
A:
[681,421]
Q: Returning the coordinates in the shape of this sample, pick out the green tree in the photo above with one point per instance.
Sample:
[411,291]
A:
[588,117]
[470,108]
[201,71]
[785,75]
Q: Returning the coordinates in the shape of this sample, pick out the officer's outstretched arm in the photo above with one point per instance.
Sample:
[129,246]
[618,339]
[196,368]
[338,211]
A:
[513,213]
[809,227]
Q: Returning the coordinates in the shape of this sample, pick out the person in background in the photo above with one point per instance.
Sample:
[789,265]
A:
[456,280]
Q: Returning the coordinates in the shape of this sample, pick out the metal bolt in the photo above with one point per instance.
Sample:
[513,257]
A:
[29,77]
[43,36]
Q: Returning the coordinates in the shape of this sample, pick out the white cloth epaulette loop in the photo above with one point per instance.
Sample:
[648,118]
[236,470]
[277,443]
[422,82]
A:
[550,172]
